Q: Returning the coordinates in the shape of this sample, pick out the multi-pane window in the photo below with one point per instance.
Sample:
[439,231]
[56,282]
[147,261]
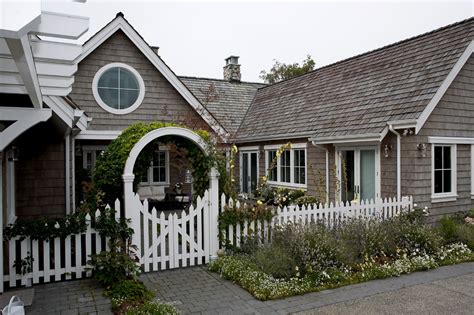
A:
[288,168]
[272,165]
[299,167]
[118,88]
[159,167]
[443,169]
[285,167]
[157,172]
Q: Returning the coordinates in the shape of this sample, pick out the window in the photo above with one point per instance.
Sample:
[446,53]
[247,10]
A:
[118,88]
[90,154]
[443,172]
[157,173]
[272,173]
[300,167]
[285,167]
[290,168]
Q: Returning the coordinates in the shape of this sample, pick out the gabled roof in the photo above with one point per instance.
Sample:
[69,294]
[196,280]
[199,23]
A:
[360,95]
[227,101]
[120,23]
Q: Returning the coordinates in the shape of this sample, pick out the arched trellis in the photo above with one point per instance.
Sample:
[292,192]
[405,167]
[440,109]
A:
[128,178]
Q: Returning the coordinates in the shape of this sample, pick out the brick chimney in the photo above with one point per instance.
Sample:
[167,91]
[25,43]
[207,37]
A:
[232,69]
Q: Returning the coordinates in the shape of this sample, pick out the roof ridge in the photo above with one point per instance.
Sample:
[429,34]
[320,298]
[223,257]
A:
[222,80]
[376,50]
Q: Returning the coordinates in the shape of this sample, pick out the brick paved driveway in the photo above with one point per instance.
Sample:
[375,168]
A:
[195,290]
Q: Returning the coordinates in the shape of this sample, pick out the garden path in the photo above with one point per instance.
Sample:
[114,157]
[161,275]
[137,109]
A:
[447,289]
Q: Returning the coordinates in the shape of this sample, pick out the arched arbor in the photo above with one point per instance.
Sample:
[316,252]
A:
[130,197]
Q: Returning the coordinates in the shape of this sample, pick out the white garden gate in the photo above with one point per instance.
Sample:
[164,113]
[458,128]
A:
[173,239]
[167,240]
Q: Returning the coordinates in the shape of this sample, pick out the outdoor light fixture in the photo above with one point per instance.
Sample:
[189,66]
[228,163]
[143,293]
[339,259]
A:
[422,147]
[13,154]
[386,151]
[188,178]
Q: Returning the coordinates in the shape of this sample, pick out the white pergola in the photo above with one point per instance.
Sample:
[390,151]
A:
[42,69]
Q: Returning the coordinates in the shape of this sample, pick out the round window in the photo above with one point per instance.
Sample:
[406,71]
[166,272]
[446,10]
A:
[118,88]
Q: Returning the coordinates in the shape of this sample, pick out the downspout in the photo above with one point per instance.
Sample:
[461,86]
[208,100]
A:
[67,151]
[399,182]
[1,221]
[327,168]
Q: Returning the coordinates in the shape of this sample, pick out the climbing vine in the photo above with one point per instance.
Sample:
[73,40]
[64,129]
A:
[110,165]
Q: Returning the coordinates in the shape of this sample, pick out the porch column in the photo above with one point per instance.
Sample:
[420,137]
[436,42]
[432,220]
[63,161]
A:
[213,213]
[130,212]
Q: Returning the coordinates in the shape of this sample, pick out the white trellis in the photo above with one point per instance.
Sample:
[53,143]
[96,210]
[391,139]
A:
[134,211]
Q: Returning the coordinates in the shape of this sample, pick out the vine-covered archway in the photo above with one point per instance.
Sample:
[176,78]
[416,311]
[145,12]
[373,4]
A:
[128,178]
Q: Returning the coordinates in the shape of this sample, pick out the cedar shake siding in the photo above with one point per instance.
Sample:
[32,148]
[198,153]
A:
[161,102]
[452,117]
[40,172]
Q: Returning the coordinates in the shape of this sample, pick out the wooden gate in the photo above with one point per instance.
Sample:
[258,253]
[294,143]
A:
[173,239]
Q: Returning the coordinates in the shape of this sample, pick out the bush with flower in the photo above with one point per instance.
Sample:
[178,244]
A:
[313,257]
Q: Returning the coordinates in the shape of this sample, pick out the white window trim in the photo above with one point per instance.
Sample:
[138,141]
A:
[150,181]
[278,182]
[472,171]
[451,196]
[98,99]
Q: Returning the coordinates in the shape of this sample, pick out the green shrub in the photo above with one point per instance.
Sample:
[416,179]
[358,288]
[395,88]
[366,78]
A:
[455,230]
[152,308]
[360,239]
[111,267]
[275,261]
[129,292]
[313,246]
[412,236]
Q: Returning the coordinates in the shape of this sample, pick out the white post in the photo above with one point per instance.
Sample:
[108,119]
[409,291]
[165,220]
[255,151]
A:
[1,222]
[67,157]
[130,212]
[213,213]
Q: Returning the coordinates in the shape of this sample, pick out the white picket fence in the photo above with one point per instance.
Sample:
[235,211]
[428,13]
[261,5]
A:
[53,260]
[329,214]
[176,238]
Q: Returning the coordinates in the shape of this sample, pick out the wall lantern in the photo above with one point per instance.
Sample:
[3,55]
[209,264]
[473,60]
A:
[188,177]
[13,154]
[422,147]
[386,150]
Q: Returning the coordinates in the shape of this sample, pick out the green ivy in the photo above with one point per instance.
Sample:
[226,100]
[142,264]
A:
[46,228]
[110,165]
[233,215]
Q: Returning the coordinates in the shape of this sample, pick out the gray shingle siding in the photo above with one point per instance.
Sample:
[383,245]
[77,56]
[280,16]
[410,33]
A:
[453,117]
[161,102]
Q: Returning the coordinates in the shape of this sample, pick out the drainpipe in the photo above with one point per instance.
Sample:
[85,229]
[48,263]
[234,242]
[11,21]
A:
[1,221]
[327,168]
[399,183]
[67,152]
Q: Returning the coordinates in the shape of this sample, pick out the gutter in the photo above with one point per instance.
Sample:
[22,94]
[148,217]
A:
[327,168]
[399,184]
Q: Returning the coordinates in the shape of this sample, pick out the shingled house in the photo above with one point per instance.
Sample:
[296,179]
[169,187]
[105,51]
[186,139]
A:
[395,121]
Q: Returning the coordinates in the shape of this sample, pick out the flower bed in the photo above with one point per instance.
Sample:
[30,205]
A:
[311,258]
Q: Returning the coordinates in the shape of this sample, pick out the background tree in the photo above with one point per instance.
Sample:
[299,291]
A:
[281,71]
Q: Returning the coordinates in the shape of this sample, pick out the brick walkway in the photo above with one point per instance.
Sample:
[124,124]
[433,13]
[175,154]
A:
[69,298]
[197,291]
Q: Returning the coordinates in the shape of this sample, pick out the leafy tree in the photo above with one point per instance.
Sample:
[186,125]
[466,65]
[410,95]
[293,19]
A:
[281,71]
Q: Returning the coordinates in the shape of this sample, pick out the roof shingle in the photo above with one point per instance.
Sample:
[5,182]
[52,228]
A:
[361,94]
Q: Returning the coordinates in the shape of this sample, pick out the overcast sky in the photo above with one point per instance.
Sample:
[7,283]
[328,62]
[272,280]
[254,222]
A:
[195,37]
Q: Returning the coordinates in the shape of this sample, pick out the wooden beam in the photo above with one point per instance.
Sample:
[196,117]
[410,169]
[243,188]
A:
[70,26]
[24,118]
[23,56]
[48,50]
